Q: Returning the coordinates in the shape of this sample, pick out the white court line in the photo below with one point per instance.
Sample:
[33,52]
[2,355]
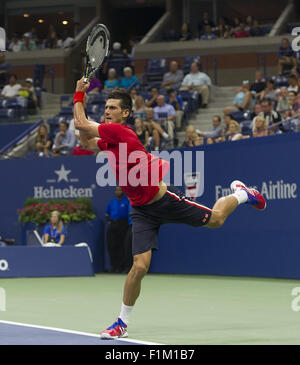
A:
[77,332]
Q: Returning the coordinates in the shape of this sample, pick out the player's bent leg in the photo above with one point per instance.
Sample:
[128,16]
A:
[226,205]
[221,210]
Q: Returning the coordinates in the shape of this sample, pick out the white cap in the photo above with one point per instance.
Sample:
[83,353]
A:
[26,35]
[116,46]
[29,80]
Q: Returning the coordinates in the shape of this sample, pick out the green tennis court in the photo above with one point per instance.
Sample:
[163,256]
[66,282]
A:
[172,309]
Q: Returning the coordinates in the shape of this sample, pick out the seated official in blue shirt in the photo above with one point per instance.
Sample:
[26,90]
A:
[55,231]
[129,81]
[117,214]
[64,141]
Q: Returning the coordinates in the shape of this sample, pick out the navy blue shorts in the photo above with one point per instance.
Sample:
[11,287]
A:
[173,207]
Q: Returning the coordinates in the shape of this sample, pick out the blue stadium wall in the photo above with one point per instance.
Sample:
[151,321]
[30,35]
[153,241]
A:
[251,243]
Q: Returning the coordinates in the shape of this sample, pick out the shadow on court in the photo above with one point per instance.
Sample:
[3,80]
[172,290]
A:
[14,334]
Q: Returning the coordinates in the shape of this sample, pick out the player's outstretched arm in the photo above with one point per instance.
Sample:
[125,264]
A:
[80,121]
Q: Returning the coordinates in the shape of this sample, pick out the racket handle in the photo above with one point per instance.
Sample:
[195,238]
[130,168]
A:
[85,80]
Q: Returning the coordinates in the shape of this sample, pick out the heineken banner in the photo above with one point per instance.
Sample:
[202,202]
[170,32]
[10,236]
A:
[259,243]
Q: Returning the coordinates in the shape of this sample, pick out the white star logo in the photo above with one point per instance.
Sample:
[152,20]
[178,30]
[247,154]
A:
[62,173]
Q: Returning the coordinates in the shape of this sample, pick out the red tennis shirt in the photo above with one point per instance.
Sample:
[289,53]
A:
[137,171]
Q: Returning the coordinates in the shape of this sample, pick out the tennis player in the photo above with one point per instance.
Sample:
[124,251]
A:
[151,205]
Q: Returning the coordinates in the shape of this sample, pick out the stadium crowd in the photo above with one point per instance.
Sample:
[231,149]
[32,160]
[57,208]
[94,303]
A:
[162,108]
[225,28]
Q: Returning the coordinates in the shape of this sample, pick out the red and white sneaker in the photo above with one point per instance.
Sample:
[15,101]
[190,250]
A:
[117,330]
[255,197]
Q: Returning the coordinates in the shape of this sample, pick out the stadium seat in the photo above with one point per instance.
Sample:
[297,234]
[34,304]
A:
[118,65]
[96,99]
[65,99]
[155,69]
[66,110]
[188,60]
[170,35]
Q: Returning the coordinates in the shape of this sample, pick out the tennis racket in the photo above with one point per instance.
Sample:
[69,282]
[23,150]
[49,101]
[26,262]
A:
[97,49]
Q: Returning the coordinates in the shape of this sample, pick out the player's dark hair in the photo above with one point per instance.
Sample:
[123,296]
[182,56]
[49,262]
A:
[124,97]
[14,75]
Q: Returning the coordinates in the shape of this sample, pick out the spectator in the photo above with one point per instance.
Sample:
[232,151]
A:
[117,214]
[186,34]
[208,34]
[256,30]
[216,131]
[223,29]
[205,21]
[15,44]
[28,44]
[43,142]
[293,83]
[55,231]
[255,113]
[190,136]
[260,128]
[173,78]
[242,99]
[287,57]
[12,89]
[295,123]
[269,92]
[51,41]
[166,114]
[142,132]
[283,100]
[111,82]
[116,52]
[129,81]
[165,109]
[176,101]
[151,103]
[236,24]
[270,115]
[234,132]
[155,129]
[294,71]
[133,95]
[5,68]
[33,35]
[140,108]
[95,86]
[198,81]
[249,23]
[132,44]
[64,141]
[198,141]
[66,41]
[293,105]
[227,120]
[259,84]
[29,93]
[241,32]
